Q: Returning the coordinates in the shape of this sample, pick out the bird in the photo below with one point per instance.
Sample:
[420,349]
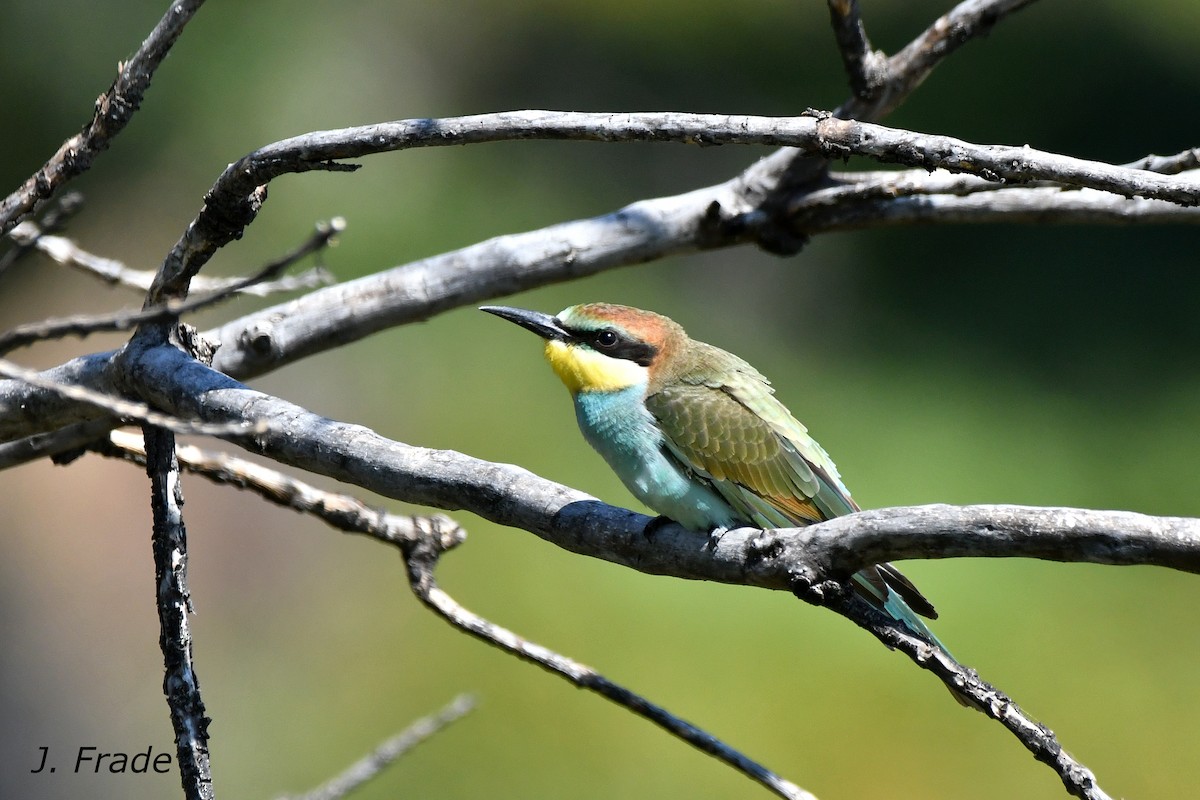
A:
[698,435]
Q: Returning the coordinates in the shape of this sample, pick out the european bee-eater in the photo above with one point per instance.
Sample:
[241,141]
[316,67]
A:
[698,435]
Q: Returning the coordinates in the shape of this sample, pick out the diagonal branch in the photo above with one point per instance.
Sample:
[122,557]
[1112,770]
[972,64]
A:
[114,109]
[362,771]
[902,73]
[964,683]
[422,561]
[30,236]
[83,325]
[864,66]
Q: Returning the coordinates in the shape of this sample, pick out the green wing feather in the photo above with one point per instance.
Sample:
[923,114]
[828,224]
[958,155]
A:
[729,429]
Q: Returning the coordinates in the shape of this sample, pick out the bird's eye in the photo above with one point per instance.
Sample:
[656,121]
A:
[606,338]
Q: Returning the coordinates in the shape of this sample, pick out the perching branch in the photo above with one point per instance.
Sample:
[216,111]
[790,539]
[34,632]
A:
[114,109]
[772,559]
[575,521]
[119,407]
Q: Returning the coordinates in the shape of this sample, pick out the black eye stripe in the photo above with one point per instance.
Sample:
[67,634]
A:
[617,344]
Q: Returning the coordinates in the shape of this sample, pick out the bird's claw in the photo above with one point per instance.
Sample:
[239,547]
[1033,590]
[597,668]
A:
[715,536]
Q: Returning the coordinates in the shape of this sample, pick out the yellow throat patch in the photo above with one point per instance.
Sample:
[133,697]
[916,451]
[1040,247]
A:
[584,370]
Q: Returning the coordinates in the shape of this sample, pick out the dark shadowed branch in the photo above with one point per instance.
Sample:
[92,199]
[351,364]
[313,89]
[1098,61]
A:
[113,111]
[180,684]
[892,80]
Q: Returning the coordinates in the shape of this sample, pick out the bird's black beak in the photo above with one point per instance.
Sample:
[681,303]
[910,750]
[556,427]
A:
[543,325]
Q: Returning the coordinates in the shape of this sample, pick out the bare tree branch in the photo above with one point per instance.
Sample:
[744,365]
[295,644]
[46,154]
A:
[880,199]
[114,109]
[575,521]
[887,82]
[905,71]
[180,684]
[364,770]
[1169,165]
[340,511]
[83,325]
[120,407]
[422,561]
[838,547]
[864,66]
[235,199]
[964,683]
[64,251]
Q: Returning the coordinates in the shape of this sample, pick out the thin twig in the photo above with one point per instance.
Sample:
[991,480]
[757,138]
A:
[855,201]
[510,495]
[341,511]
[62,250]
[367,768]
[422,561]
[85,324]
[963,682]
[863,65]
[1169,165]
[52,221]
[113,111]
[897,77]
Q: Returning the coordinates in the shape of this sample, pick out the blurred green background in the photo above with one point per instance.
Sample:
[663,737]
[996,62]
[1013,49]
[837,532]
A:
[1052,365]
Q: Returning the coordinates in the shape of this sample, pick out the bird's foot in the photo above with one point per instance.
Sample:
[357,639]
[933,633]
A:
[714,537]
[816,592]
